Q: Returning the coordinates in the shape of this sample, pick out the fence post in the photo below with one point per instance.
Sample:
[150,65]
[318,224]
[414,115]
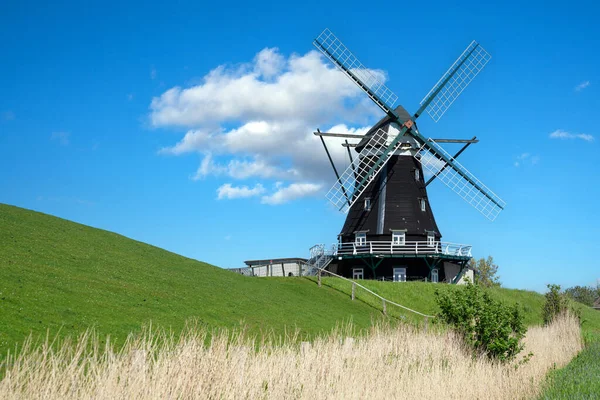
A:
[426,323]
[319,277]
[384,308]
[353,290]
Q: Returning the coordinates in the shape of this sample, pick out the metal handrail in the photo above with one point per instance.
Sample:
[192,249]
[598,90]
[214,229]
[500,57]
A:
[376,295]
[408,247]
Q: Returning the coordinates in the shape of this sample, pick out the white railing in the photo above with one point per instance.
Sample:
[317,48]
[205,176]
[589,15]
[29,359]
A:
[422,247]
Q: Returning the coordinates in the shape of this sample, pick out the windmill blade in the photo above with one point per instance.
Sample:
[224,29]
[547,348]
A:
[328,44]
[455,80]
[460,180]
[357,177]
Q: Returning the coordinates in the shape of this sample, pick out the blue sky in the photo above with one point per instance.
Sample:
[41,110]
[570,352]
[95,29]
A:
[110,116]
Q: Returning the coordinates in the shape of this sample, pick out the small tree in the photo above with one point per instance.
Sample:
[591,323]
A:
[583,294]
[557,303]
[486,272]
[489,326]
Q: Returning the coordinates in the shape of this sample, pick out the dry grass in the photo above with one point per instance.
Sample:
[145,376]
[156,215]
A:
[401,363]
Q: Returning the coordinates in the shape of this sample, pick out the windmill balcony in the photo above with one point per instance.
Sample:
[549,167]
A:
[422,247]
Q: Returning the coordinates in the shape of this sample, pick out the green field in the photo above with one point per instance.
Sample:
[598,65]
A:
[64,277]
[420,296]
[580,379]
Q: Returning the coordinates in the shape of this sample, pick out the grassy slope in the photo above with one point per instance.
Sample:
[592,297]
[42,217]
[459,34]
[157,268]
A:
[580,379]
[59,274]
[420,296]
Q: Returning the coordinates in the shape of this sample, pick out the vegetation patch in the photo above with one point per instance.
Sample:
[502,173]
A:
[66,277]
[391,362]
[487,325]
[580,379]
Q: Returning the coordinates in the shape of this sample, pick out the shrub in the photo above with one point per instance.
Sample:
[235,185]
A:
[487,325]
[583,294]
[557,303]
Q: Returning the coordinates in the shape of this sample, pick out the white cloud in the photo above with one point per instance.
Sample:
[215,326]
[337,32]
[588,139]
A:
[256,121]
[61,137]
[291,192]
[227,191]
[298,88]
[560,134]
[582,86]
[526,158]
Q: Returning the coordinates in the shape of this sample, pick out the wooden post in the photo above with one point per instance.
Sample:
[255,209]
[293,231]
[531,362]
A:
[384,308]
[426,323]
[304,347]
[282,269]
[353,290]
[319,277]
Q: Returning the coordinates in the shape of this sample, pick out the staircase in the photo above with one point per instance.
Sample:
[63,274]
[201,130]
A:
[319,259]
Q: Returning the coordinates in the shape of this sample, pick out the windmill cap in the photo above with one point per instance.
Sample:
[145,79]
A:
[383,123]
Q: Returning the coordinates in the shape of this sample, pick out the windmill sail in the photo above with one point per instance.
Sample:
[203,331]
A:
[460,180]
[460,74]
[370,82]
[380,148]
[357,177]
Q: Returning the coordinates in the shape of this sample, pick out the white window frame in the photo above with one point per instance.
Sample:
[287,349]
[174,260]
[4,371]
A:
[360,238]
[399,238]
[417,174]
[367,204]
[358,273]
[430,240]
[435,276]
[422,204]
[397,274]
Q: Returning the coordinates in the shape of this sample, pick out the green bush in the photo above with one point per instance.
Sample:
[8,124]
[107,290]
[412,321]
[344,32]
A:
[557,303]
[488,326]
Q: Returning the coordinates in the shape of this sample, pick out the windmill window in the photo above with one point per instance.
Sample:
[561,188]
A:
[360,239]
[430,240]
[368,204]
[358,273]
[399,274]
[422,203]
[417,175]
[435,276]
[399,238]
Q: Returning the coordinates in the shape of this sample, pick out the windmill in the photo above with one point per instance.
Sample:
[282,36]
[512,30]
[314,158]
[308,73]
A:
[390,227]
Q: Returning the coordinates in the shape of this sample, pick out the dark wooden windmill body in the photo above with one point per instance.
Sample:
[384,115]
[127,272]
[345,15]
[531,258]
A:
[390,231]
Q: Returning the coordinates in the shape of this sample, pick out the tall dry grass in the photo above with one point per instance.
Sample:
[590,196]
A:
[399,363]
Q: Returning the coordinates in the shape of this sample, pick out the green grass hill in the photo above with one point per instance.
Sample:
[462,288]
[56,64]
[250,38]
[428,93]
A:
[60,275]
[65,277]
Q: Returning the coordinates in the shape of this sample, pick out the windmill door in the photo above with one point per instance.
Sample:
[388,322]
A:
[399,274]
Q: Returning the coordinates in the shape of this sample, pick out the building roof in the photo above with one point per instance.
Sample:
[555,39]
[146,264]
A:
[274,261]
[382,124]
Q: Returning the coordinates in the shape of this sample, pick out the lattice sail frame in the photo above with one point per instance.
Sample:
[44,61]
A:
[328,44]
[451,178]
[475,58]
[347,190]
